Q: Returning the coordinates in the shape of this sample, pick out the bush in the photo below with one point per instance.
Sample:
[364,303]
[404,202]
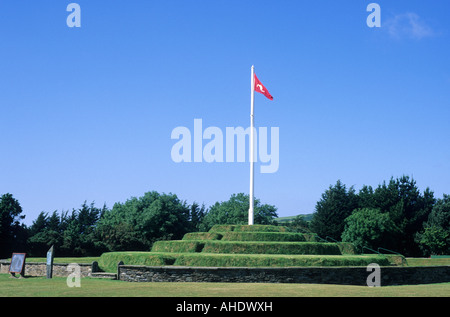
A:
[368,228]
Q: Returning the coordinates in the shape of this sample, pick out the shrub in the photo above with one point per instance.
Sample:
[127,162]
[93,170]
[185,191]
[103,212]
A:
[368,228]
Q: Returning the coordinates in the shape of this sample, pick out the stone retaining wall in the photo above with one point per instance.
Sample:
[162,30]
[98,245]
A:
[40,268]
[311,275]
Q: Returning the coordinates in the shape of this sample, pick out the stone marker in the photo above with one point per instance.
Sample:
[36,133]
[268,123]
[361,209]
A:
[50,255]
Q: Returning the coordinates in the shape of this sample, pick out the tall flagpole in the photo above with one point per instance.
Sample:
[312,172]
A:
[252,152]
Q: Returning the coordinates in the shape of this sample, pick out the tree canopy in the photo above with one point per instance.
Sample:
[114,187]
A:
[336,204]
[235,211]
[11,231]
[395,215]
[137,223]
[391,216]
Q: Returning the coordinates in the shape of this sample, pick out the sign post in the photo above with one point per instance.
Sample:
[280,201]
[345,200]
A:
[17,264]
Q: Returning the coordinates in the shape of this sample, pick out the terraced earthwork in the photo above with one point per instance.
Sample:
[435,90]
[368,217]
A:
[248,246]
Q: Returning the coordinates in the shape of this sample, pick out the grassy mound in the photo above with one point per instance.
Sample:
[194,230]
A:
[247,236]
[263,236]
[239,247]
[244,246]
[246,228]
[252,247]
[177,246]
[202,236]
[108,261]
[254,260]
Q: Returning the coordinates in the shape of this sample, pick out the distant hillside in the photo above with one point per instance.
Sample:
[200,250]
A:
[307,217]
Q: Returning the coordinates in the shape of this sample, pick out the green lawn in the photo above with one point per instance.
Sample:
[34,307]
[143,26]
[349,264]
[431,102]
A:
[57,287]
[427,261]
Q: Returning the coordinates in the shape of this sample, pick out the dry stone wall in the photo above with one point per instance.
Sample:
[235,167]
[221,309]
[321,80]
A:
[310,275]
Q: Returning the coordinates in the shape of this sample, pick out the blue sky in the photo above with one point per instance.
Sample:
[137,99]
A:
[87,113]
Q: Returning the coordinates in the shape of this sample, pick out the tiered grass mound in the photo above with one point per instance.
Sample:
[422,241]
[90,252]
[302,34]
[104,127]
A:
[244,246]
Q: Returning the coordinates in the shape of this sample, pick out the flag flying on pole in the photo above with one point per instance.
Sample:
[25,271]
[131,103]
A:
[259,87]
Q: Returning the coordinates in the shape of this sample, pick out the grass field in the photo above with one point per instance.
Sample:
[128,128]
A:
[57,287]
[427,261]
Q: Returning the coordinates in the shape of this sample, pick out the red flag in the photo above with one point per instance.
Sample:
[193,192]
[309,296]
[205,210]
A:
[261,89]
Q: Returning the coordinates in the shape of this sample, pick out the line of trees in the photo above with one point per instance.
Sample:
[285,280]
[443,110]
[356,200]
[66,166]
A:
[395,216]
[133,225]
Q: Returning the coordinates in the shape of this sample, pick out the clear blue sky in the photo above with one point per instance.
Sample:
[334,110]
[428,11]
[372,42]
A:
[87,113]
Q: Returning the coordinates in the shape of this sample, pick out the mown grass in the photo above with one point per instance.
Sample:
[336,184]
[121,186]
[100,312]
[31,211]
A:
[239,247]
[427,261]
[269,260]
[253,247]
[108,261]
[57,287]
[263,236]
[176,246]
[246,228]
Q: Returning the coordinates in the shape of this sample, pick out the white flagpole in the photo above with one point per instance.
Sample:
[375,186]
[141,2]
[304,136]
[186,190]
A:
[252,152]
